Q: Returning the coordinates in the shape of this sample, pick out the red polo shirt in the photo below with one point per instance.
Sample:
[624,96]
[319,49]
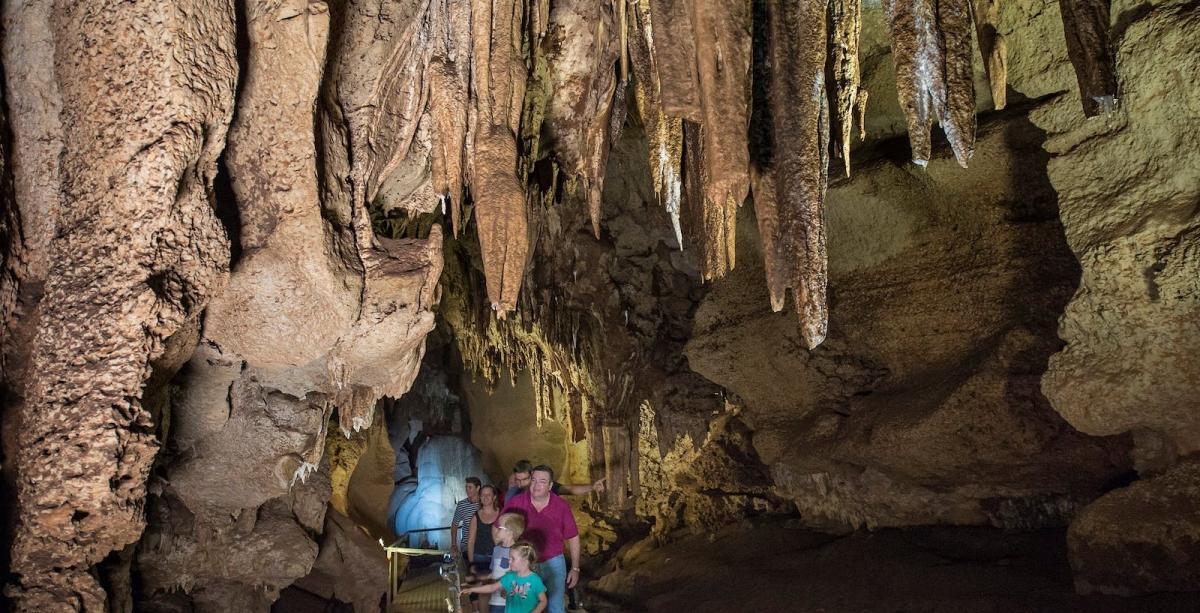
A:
[547,529]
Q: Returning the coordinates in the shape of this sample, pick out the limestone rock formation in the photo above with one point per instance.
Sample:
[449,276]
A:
[929,380]
[1143,538]
[206,307]
[134,253]
[351,567]
[320,315]
[1129,184]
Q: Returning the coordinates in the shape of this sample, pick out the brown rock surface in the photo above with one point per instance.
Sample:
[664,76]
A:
[1128,188]
[773,566]
[923,404]
[351,567]
[319,316]
[1140,539]
[136,252]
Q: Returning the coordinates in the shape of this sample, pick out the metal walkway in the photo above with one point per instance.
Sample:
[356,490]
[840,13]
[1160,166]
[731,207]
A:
[423,591]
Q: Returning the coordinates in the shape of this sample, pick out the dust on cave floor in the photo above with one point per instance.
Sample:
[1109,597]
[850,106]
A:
[769,566]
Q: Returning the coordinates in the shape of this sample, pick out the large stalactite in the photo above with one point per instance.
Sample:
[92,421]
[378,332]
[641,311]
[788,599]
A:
[790,191]
[931,47]
[1086,26]
[582,47]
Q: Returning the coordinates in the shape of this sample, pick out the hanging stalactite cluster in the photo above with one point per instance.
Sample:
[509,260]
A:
[516,82]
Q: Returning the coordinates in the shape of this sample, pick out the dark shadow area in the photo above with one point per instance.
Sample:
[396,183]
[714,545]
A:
[769,566]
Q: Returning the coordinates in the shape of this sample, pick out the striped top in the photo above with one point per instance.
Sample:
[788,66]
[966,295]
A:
[463,514]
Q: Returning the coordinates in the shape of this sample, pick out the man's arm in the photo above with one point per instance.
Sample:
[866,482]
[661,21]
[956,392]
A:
[573,550]
[584,488]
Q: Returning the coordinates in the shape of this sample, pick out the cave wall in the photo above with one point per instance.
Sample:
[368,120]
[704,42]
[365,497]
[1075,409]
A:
[1129,185]
[121,245]
[1004,343]
[506,426]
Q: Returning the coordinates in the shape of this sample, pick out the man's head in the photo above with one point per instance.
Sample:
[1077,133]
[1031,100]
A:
[507,529]
[473,484]
[521,472]
[541,480]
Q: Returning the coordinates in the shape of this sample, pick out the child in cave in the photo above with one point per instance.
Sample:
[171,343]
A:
[505,531]
[524,590]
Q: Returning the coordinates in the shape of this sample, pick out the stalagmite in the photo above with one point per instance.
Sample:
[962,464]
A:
[498,91]
[845,17]
[582,49]
[800,121]
[1086,25]
[674,48]
[993,49]
[449,83]
[931,48]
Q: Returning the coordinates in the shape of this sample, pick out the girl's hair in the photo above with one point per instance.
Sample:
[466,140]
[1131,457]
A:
[495,496]
[526,551]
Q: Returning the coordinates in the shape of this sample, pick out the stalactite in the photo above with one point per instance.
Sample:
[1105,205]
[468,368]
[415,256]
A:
[498,89]
[1086,25]
[993,49]
[931,48]
[449,82]
[582,49]
[845,20]
[722,36]
[674,48]
[707,226]
[664,133]
[800,157]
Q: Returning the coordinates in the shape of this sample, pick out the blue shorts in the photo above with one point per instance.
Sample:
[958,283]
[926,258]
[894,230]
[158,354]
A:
[495,608]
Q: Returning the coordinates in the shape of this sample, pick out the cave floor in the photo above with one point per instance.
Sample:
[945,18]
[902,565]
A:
[770,567]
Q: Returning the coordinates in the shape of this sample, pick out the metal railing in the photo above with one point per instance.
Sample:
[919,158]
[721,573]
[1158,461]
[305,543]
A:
[450,569]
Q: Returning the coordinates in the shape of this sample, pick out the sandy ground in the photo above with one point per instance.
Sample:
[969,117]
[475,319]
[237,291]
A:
[770,567]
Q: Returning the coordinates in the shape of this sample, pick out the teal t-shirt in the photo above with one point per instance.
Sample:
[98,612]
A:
[521,592]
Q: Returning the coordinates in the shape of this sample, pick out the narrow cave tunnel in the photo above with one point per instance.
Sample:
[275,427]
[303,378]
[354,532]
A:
[279,278]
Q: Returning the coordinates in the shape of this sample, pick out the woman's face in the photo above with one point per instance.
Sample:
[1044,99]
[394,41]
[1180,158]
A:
[487,496]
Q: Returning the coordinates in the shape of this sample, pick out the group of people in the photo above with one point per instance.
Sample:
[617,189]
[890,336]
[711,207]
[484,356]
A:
[517,546]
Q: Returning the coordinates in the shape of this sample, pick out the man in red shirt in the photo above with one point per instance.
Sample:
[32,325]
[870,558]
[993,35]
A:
[550,527]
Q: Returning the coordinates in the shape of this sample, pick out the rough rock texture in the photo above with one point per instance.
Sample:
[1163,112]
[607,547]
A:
[499,79]
[993,49]
[1129,183]
[1143,538]
[320,315]
[351,567]
[791,180]
[716,149]
[582,48]
[923,404]
[242,557]
[845,26]
[933,570]
[674,48]
[135,254]
[1086,26]
[931,48]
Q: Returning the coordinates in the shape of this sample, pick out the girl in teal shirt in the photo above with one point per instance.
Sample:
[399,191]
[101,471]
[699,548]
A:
[524,590]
